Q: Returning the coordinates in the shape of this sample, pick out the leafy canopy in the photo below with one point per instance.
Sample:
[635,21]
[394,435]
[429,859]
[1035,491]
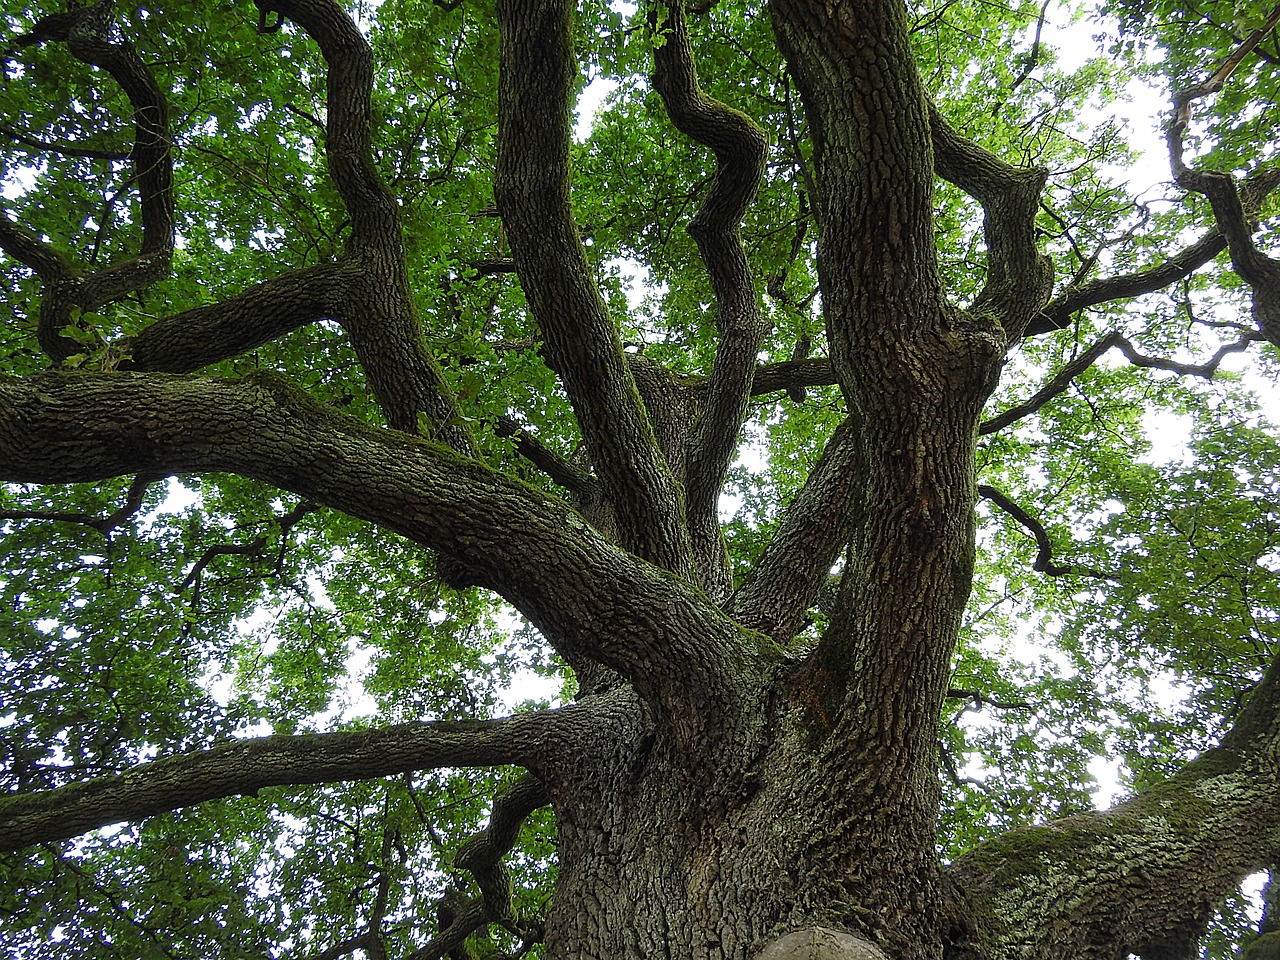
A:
[216,608]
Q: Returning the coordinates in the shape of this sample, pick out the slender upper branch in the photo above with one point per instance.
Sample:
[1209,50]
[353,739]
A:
[104,525]
[1057,314]
[574,479]
[1044,562]
[64,149]
[740,149]
[580,342]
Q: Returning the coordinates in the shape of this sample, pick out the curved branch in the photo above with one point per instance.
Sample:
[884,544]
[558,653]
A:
[1089,357]
[459,917]
[1144,876]
[740,149]
[378,310]
[1044,546]
[1226,199]
[28,249]
[374,214]
[369,942]
[979,699]
[84,31]
[533,549]
[1019,277]
[580,342]
[482,854]
[65,149]
[253,548]
[246,766]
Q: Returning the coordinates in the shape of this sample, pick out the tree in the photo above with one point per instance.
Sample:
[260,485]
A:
[319,271]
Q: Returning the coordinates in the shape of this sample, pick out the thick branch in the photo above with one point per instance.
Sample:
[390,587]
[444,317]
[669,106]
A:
[1019,278]
[374,214]
[786,580]
[195,338]
[740,150]
[581,345]
[877,256]
[1144,876]
[378,312]
[247,766]
[792,374]
[28,249]
[533,549]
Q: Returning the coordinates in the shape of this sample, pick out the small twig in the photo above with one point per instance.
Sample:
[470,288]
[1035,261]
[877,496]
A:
[953,773]
[305,115]
[1044,546]
[1182,101]
[251,549]
[65,149]
[979,699]
[1033,58]
[104,525]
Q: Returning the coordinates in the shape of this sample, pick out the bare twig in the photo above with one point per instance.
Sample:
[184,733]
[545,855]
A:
[104,525]
[979,699]
[253,548]
[1044,546]
[1085,360]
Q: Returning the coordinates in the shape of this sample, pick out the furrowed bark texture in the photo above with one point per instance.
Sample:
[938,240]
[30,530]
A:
[1145,876]
[914,371]
[580,342]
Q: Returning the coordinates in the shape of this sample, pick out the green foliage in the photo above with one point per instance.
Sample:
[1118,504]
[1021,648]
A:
[152,639]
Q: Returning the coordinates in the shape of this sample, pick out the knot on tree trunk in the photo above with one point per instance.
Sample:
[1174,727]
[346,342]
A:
[820,943]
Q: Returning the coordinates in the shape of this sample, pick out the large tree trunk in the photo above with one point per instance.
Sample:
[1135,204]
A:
[671,853]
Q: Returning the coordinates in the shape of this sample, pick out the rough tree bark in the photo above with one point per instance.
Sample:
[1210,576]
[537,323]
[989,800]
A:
[714,787]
